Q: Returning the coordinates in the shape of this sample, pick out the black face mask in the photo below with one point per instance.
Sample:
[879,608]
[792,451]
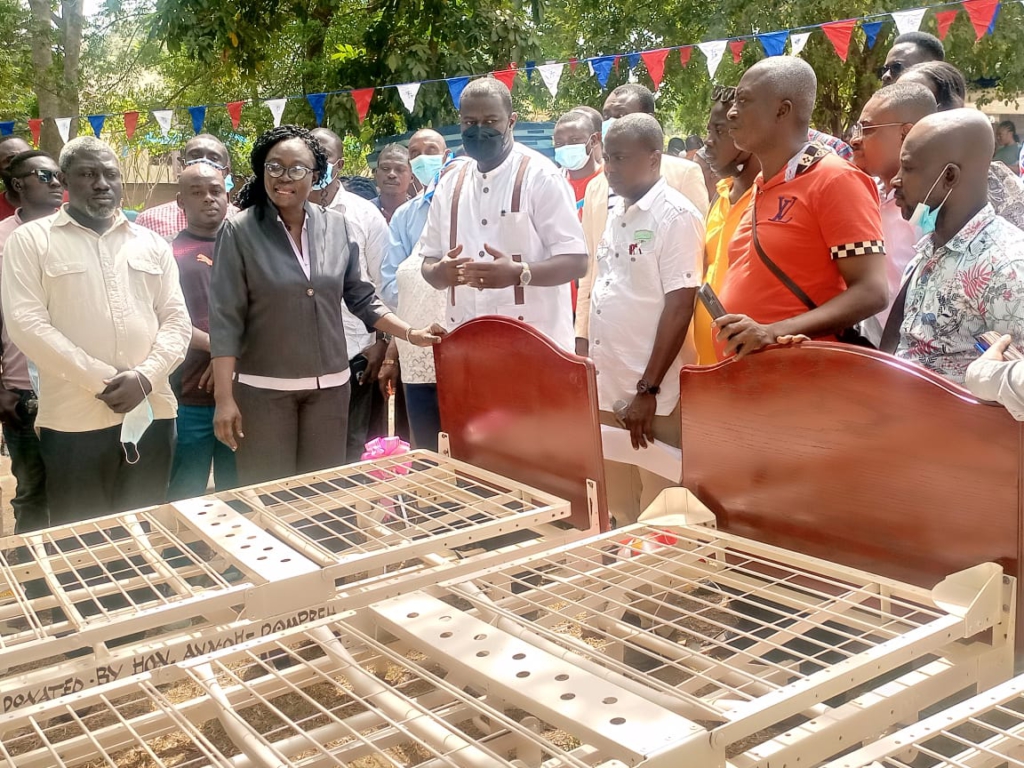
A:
[482,143]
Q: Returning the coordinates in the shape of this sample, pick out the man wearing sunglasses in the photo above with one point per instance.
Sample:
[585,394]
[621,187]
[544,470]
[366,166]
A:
[907,50]
[169,219]
[34,180]
[10,147]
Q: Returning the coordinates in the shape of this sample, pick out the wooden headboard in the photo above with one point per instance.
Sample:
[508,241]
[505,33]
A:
[514,403]
[853,456]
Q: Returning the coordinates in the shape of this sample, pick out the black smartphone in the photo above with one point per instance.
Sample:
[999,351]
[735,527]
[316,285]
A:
[709,299]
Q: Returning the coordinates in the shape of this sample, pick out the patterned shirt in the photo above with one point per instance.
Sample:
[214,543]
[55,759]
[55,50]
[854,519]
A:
[1006,194]
[838,146]
[972,284]
[168,220]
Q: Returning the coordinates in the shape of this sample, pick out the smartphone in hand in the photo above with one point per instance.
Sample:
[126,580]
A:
[987,339]
[709,299]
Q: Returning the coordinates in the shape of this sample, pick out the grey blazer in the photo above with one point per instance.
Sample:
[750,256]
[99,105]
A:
[263,309]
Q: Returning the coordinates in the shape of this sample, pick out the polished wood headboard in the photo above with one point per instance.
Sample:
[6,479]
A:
[853,456]
[514,403]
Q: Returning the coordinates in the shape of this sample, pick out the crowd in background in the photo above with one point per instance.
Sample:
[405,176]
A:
[259,332]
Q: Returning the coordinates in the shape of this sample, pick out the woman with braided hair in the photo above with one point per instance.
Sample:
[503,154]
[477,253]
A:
[281,270]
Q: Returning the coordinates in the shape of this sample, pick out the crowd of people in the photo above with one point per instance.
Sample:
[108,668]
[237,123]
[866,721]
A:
[258,334]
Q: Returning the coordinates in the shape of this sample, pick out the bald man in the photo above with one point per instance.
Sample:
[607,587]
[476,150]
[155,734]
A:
[968,275]
[817,264]
[877,139]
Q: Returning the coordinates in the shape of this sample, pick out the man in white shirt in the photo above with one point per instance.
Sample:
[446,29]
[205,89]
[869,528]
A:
[502,236]
[649,265]
[94,301]
[368,230]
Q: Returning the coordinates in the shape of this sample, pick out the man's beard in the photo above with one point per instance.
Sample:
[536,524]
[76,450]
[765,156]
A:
[101,210]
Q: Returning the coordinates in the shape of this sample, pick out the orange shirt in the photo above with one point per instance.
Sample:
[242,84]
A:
[815,211]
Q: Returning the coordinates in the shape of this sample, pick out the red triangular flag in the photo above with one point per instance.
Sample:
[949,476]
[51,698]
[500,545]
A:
[507,76]
[35,125]
[981,13]
[943,19]
[235,110]
[840,32]
[362,98]
[655,63]
[684,54]
[736,46]
[572,64]
[131,122]
[616,63]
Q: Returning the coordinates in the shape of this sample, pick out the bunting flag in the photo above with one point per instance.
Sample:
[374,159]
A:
[198,118]
[908,21]
[774,43]
[235,112]
[63,128]
[572,64]
[943,20]
[362,98]
[603,68]
[317,101]
[35,125]
[131,122]
[633,59]
[97,121]
[551,74]
[736,46]
[6,128]
[530,66]
[992,26]
[456,85]
[684,54]
[871,30]
[407,93]
[981,13]
[798,41]
[163,119]
[655,63]
[507,76]
[840,32]
[276,107]
[713,51]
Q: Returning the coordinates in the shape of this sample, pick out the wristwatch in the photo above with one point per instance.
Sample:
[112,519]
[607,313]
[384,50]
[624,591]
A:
[525,276]
[643,388]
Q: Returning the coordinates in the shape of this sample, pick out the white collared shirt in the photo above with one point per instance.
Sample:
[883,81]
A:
[369,230]
[546,226]
[654,247]
[301,250]
[83,306]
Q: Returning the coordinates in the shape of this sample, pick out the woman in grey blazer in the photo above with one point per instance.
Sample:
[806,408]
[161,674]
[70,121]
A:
[281,270]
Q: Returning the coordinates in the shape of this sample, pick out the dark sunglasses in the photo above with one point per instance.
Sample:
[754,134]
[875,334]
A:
[896,68]
[723,93]
[44,176]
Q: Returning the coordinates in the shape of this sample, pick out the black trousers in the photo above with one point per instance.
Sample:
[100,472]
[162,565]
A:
[290,433]
[87,474]
[30,510]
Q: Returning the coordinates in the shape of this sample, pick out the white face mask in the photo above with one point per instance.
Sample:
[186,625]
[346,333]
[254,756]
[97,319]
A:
[135,424]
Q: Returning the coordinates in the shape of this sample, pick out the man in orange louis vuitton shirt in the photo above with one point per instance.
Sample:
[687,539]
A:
[808,257]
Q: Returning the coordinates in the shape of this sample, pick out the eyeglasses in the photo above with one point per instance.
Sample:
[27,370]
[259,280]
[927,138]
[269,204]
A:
[44,176]
[858,130]
[295,173]
[723,93]
[896,68]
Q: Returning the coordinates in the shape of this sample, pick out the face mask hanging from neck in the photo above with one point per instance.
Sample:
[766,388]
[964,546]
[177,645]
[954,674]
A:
[925,217]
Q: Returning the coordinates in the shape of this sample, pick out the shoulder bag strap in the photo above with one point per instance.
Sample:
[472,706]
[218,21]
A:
[517,199]
[453,229]
[774,268]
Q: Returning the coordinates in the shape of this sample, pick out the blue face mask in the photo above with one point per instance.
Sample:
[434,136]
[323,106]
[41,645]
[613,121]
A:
[924,217]
[426,167]
[572,157]
[229,183]
[606,125]
[328,178]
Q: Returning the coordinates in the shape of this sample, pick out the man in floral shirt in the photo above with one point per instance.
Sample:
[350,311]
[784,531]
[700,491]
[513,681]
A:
[968,275]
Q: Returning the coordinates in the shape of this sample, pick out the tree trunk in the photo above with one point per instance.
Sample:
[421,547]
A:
[71,38]
[43,80]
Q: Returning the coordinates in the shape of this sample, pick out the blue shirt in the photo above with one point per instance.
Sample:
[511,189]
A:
[407,225]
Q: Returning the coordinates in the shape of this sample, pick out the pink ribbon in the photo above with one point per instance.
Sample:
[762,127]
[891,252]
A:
[381,447]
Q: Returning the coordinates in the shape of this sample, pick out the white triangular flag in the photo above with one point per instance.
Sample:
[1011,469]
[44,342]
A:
[63,128]
[798,41]
[713,52]
[407,92]
[163,118]
[552,73]
[276,107]
[908,21]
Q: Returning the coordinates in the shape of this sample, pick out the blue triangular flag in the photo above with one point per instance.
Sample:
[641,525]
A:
[774,43]
[992,25]
[871,30]
[455,87]
[198,118]
[603,68]
[316,101]
[7,128]
[97,121]
[633,59]
[530,66]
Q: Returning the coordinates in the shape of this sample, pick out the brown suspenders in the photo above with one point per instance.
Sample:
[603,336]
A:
[515,207]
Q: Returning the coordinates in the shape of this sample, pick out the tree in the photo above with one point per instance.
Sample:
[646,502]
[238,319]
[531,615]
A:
[56,63]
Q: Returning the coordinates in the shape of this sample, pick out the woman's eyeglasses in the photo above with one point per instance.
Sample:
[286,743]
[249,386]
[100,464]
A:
[295,173]
[723,93]
[44,176]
